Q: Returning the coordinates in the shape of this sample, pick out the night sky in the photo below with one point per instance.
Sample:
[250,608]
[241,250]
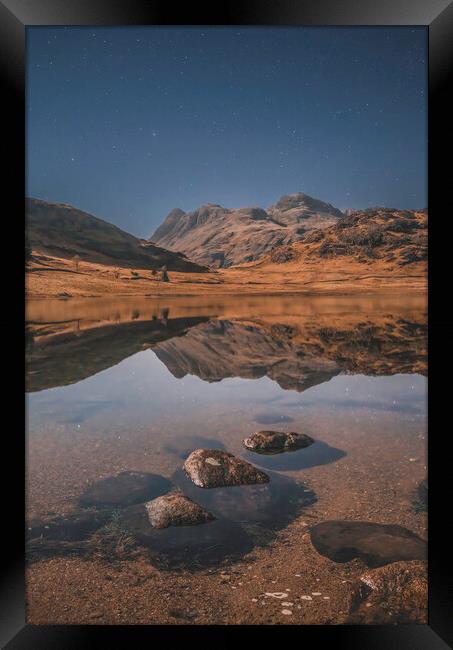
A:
[128,123]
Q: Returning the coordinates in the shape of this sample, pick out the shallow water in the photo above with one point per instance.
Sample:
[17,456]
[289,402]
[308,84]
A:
[138,385]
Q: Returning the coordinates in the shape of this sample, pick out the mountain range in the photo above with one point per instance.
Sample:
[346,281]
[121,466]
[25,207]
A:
[299,239]
[221,237]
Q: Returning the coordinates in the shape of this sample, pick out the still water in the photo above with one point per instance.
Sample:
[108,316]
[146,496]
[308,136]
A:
[137,385]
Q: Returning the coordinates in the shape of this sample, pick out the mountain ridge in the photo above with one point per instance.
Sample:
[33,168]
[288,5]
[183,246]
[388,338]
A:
[221,237]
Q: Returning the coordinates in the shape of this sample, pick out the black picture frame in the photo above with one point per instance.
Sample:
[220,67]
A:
[437,16]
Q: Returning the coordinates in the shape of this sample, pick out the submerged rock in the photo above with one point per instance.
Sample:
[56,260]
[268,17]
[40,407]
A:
[189,547]
[319,453]
[422,491]
[176,509]
[271,505]
[395,593]
[375,544]
[211,468]
[277,441]
[125,489]
[75,526]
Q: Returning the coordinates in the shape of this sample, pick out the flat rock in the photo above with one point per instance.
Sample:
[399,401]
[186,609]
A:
[211,468]
[176,509]
[125,489]
[375,544]
[277,441]
[395,593]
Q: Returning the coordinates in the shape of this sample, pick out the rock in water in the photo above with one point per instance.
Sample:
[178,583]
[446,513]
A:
[125,489]
[176,509]
[77,525]
[211,468]
[191,547]
[375,544]
[275,442]
[396,593]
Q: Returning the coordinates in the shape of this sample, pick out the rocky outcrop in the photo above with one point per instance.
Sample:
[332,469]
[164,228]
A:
[277,441]
[395,593]
[375,544]
[124,489]
[64,231]
[385,238]
[176,510]
[211,468]
[222,237]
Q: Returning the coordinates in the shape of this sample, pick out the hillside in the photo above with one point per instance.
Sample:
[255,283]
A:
[379,237]
[63,231]
[221,237]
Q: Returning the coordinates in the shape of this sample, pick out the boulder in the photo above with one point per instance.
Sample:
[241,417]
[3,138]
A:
[375,544]
[211,468]
[124,489]
[176,509]
[395,593]
[277,441]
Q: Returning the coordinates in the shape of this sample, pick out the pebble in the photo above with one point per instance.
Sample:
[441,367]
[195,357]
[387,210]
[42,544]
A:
[276,594]
[254,600]
[316,593]
[287,604]
[326,597]
[297,575]
[306,598]
[287,612]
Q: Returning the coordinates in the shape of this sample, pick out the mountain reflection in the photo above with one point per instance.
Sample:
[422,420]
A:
[296,351]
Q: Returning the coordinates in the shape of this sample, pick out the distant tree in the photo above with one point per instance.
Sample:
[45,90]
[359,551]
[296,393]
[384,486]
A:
[164,277]
[153,272]
[116,273]
[76,261]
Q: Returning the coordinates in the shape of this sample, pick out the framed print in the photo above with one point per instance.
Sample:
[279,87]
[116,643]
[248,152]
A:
[230,292]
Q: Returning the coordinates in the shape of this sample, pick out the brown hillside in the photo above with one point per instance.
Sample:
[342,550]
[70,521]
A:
[63,231]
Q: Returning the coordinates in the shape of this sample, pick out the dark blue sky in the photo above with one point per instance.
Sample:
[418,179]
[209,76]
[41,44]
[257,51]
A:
[128,123]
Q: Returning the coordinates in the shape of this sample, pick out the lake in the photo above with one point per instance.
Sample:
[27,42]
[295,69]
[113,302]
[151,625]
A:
[138,384]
